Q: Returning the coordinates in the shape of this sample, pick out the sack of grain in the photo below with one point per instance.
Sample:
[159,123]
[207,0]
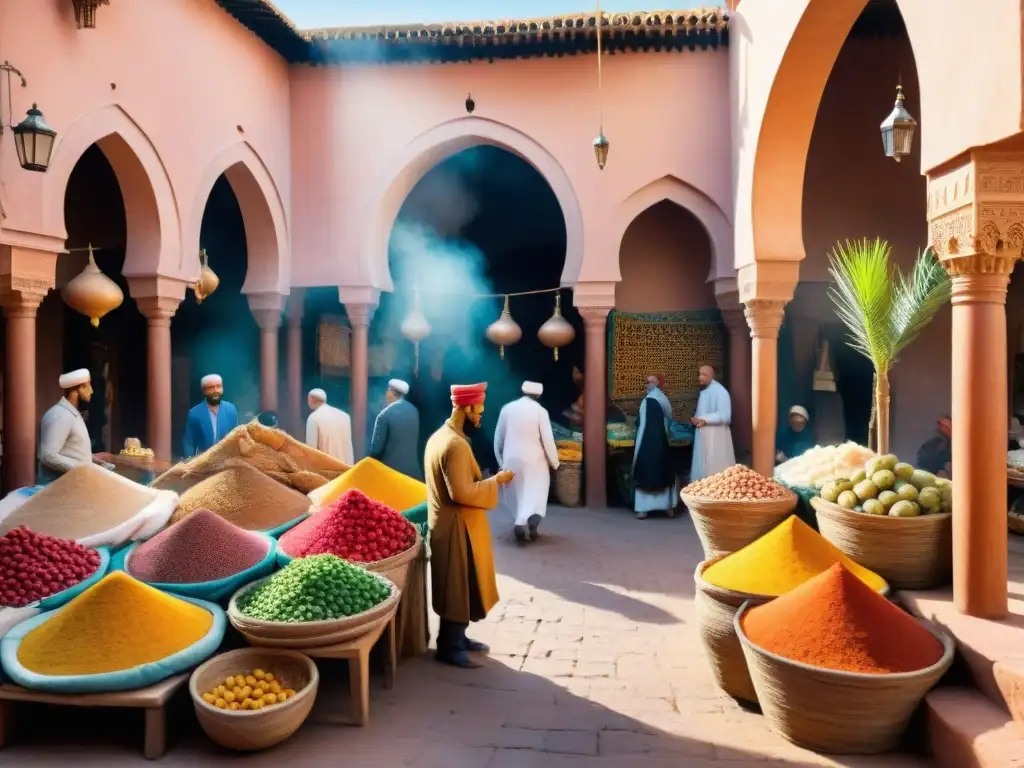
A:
[95,507]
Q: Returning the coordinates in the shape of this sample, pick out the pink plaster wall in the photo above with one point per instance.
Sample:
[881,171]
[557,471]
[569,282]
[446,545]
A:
[666,114]
[665,260]
[190,84]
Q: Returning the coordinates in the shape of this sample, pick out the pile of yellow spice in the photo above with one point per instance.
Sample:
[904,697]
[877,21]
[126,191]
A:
[255,690]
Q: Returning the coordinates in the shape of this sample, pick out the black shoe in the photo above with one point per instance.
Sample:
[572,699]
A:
[534,524]
[475,646]
[521,533]
[458,659]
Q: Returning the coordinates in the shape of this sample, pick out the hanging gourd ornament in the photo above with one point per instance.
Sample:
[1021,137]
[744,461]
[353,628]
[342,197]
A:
[92,293]
[208,280]
[416,328]
[504,331]
[556,332]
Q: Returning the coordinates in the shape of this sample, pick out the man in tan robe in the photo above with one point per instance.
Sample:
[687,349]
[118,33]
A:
[463,583]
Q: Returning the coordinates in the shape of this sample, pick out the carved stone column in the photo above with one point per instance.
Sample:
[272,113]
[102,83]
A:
[764,316]
[595,396]
[976,222]
[266,308]
[360,315]
[158,311]
[26,276]
[296,395]
[739,374]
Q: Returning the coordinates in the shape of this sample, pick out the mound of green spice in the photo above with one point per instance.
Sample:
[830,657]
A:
[314,588]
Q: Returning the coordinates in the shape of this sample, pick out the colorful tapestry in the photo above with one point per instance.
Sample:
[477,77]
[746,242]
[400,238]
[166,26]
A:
[673,343]
[334,346]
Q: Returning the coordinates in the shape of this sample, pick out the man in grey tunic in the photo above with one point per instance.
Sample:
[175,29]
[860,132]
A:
[396,432]
[63,436]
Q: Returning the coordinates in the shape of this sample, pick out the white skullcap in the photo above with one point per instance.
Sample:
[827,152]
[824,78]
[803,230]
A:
[399,386]
[318,394]
[210,380]
[799,410]
[533,388]
[74,378]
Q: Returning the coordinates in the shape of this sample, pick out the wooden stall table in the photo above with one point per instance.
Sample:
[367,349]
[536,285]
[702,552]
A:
[357,653]
[140,470]
[152,699]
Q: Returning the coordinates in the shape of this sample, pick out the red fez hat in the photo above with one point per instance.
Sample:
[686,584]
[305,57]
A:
[468,394]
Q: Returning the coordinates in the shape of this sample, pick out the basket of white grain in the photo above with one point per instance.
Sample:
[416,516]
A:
[735,507]
[891,518]
[807,473]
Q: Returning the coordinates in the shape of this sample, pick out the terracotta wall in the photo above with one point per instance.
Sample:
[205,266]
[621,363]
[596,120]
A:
[851,191]
[665,261]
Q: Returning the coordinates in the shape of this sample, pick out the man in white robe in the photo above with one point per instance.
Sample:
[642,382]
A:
[64,441]
[712,445]
[329,429]
[525,445]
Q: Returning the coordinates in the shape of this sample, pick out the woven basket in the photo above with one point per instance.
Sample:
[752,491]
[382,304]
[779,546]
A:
[838,712]
[908,552]
[727,526]
[310,634]
[716,609]
[569,483]
[396,568]
[250,730]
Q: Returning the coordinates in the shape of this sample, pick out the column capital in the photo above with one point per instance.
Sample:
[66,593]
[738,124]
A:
[158,309]
[768,280]
[27,275]
[360,313]
[594,317]
[267,319]
[266,308]
[735,320]
[764,316]
[594,295]
[156,287]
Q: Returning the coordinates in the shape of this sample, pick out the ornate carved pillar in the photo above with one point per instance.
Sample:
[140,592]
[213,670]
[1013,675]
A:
[764,316]
[976,223]
[293,418]
[158,311]
[26,276]
[739,370]
[360,315]
[595,395]
[266,308]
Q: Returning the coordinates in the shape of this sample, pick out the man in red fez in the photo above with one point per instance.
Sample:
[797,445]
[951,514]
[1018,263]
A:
[463,583]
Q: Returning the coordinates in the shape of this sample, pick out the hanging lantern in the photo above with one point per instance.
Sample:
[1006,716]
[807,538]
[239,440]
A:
[556,332]
[208,280]
[470,104]
[601,147]
[85,12]
[898,129]
[416,328]
[92,293]
[33,141]
[601,143]
[504,331]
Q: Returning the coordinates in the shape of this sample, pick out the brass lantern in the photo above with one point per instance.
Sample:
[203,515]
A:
[898,129]
[601,147]
[92,293]
[416,328]
[556,332]
[208,280]
[504,331]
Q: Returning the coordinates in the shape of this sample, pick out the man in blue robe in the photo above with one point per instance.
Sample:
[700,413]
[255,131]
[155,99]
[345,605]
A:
[210,420]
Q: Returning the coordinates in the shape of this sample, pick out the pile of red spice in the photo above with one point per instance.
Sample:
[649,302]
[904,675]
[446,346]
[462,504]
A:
[34,566]
[836,621]
[353,527]
[200,547]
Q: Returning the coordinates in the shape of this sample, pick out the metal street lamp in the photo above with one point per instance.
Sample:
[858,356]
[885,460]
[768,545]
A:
[898,129]
[33,138]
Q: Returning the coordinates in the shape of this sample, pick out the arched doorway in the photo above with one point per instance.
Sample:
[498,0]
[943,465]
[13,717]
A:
[482,221]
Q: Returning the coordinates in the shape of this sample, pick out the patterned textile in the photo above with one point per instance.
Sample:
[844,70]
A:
[673,343]
[334,346]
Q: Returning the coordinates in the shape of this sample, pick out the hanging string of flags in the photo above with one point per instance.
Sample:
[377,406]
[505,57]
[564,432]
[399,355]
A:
[504,332]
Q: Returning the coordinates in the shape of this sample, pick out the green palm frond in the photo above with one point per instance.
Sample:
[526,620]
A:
[863,298]
[918,299]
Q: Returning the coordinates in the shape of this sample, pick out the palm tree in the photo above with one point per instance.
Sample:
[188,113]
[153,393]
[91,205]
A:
[883,310]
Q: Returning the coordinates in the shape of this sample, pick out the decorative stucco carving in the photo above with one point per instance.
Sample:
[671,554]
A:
[764,316]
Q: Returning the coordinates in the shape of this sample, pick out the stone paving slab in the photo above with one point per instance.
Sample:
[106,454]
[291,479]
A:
[595,662]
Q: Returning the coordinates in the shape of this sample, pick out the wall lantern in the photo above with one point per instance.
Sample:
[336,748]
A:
[85,12]
[470,104]
[33,138]
[898,129]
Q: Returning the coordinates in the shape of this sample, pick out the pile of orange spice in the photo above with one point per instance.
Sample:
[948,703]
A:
[836,621]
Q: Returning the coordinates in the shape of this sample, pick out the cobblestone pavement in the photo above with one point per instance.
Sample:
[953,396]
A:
[595,662]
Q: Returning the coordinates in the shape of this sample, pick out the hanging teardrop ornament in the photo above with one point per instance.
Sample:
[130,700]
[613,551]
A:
[556,331]
[92,293]
[208,280]
[415,328]
[504,332]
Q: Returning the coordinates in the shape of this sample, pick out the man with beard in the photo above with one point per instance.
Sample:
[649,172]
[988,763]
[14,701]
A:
[712,445]
[463,583]
[208,421]
[63,436]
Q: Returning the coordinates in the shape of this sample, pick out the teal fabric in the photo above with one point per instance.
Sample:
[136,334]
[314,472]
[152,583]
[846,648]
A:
[59,599]
[803,510]
[208,590]
[285,527]
[283,559]
[122,680]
